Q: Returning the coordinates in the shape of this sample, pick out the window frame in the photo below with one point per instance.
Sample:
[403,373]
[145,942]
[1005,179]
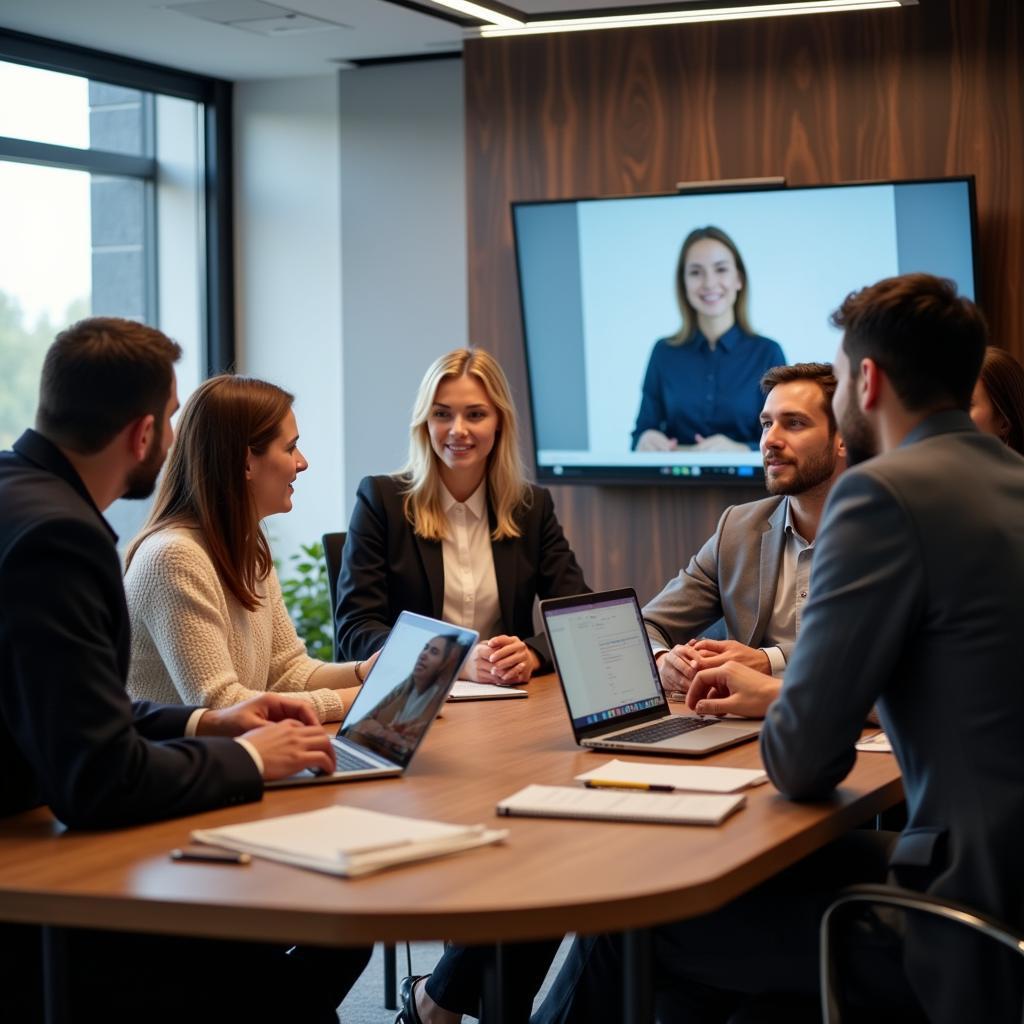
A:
[216,96]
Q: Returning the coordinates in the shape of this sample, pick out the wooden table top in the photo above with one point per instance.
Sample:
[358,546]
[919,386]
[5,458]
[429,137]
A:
[548,878]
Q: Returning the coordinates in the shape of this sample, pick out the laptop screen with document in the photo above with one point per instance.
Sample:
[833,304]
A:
[603,658]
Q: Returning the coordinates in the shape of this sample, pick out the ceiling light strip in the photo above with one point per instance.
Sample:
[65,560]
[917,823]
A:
[509,27]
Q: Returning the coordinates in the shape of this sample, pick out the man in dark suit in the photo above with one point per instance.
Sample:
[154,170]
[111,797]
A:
[753,572]
[69,736]
[918,598]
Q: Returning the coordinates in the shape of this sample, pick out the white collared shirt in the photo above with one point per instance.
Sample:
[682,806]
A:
[790,594]
[470,585]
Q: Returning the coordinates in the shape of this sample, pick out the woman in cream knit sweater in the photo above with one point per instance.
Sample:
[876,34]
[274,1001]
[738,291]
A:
[209,625]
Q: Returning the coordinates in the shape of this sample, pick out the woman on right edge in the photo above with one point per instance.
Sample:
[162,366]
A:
[702,388]
[997,405]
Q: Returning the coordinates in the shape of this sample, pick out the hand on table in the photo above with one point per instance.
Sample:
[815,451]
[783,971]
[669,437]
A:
[678,666]
[655,441]
[732,689]
[254,713]
[502,660]
[718,443]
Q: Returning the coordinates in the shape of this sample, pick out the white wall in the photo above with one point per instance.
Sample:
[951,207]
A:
[351,248]
[288,251]
[403,203]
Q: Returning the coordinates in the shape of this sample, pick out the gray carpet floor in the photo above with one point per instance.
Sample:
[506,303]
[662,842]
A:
[365,1003]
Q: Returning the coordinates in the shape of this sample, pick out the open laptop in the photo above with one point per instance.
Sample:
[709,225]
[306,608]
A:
[611,685]
[398,702]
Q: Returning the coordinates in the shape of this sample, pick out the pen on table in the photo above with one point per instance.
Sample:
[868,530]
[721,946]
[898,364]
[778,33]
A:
[649,787]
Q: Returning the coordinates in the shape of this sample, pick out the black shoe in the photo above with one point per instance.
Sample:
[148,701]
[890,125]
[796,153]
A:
[407,1000]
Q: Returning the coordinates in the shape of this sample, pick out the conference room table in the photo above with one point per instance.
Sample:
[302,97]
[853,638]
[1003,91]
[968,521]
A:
[547,878]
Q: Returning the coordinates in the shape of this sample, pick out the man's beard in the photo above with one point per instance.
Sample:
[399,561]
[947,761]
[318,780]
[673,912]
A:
[858,435]
[815,470]
[142,479]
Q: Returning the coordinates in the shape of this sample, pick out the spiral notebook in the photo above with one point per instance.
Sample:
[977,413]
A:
[621,805]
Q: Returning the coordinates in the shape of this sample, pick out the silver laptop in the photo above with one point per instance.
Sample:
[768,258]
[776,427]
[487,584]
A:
[398,702]
[611,685]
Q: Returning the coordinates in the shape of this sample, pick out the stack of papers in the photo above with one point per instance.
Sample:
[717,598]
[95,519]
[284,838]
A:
[695,778]
[877,742]
[347,841]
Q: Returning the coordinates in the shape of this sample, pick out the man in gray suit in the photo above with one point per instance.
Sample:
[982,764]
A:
[754,572]
[918,600]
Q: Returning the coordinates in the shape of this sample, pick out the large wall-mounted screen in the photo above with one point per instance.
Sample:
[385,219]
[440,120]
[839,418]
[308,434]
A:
[625,384]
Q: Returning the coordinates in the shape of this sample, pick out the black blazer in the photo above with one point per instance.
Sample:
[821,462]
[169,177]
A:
[387,569]
[69,736]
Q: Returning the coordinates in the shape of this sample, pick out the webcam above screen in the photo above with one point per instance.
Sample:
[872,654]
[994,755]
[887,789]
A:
[645,368]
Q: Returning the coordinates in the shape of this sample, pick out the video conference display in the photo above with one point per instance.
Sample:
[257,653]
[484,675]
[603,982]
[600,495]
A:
[620,392]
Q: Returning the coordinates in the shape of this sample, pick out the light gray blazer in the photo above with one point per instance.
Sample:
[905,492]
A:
[733,577]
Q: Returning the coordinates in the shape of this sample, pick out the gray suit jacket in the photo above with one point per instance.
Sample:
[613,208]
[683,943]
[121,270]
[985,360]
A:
[917,603]
[733,577]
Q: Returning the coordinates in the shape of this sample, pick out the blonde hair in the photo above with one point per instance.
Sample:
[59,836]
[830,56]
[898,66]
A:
[507,489]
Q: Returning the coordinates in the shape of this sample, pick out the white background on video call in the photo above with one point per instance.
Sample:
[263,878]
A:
[394,665]
[804,252]
[603,656]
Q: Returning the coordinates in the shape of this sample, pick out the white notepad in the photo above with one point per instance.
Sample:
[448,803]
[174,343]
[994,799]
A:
[347,841]
[696,778]
[878,742]
[621,805]
[465,689]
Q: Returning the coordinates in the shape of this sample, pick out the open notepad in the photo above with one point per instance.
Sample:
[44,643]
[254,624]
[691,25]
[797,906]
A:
[695,778]
[464,689]
[347,841]
[621,805]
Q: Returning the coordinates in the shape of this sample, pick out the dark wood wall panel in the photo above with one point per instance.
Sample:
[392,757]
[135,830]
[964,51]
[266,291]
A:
[921,91]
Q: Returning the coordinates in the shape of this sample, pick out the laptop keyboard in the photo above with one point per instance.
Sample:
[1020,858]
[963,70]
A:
[665,729]
[347,761]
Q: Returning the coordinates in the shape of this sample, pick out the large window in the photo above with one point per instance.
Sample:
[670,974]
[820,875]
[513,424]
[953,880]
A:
[114,201]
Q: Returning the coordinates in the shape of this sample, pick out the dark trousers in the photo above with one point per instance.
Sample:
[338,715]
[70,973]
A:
[117,977]
[743,961]
[457,980]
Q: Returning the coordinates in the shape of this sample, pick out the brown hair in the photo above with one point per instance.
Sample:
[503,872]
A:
[205,486]
[99,375]
[688,331]
[818,373]
[928,340]
[1002,377]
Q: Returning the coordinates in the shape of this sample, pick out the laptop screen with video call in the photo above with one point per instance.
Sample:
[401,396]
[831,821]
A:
[603,659]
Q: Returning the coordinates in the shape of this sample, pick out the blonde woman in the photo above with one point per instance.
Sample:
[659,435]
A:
[209,625]
[459,533]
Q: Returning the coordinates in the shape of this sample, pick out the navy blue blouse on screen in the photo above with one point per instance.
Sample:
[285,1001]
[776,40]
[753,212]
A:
[693,389]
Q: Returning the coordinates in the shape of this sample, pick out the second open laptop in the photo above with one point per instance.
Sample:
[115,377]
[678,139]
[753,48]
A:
[611,684]
[398,702]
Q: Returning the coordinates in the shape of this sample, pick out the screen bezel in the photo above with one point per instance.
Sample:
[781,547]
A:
[581,602]
[644,476]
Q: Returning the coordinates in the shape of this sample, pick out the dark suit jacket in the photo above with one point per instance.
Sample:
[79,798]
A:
[387,569]
[69,736]
[917,603]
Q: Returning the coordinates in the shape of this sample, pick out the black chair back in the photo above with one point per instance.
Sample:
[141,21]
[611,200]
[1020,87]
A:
[334,546]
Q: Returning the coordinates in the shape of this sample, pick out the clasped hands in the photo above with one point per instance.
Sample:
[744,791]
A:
[720,677]
[284,731]
[502,660]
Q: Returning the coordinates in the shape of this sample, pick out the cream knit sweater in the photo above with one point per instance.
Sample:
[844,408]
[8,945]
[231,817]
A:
[193,643]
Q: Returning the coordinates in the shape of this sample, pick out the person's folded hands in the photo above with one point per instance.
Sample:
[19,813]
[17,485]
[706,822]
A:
[712,653]
[511,661]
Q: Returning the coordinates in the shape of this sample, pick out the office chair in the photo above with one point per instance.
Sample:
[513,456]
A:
[905,899]
[334,546]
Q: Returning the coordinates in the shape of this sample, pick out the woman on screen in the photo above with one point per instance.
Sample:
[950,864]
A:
[458,534]
[997,405]
[209,625]
[702,387]
[398,719]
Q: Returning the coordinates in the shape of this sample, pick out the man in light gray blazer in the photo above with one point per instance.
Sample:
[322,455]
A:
[754,572]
